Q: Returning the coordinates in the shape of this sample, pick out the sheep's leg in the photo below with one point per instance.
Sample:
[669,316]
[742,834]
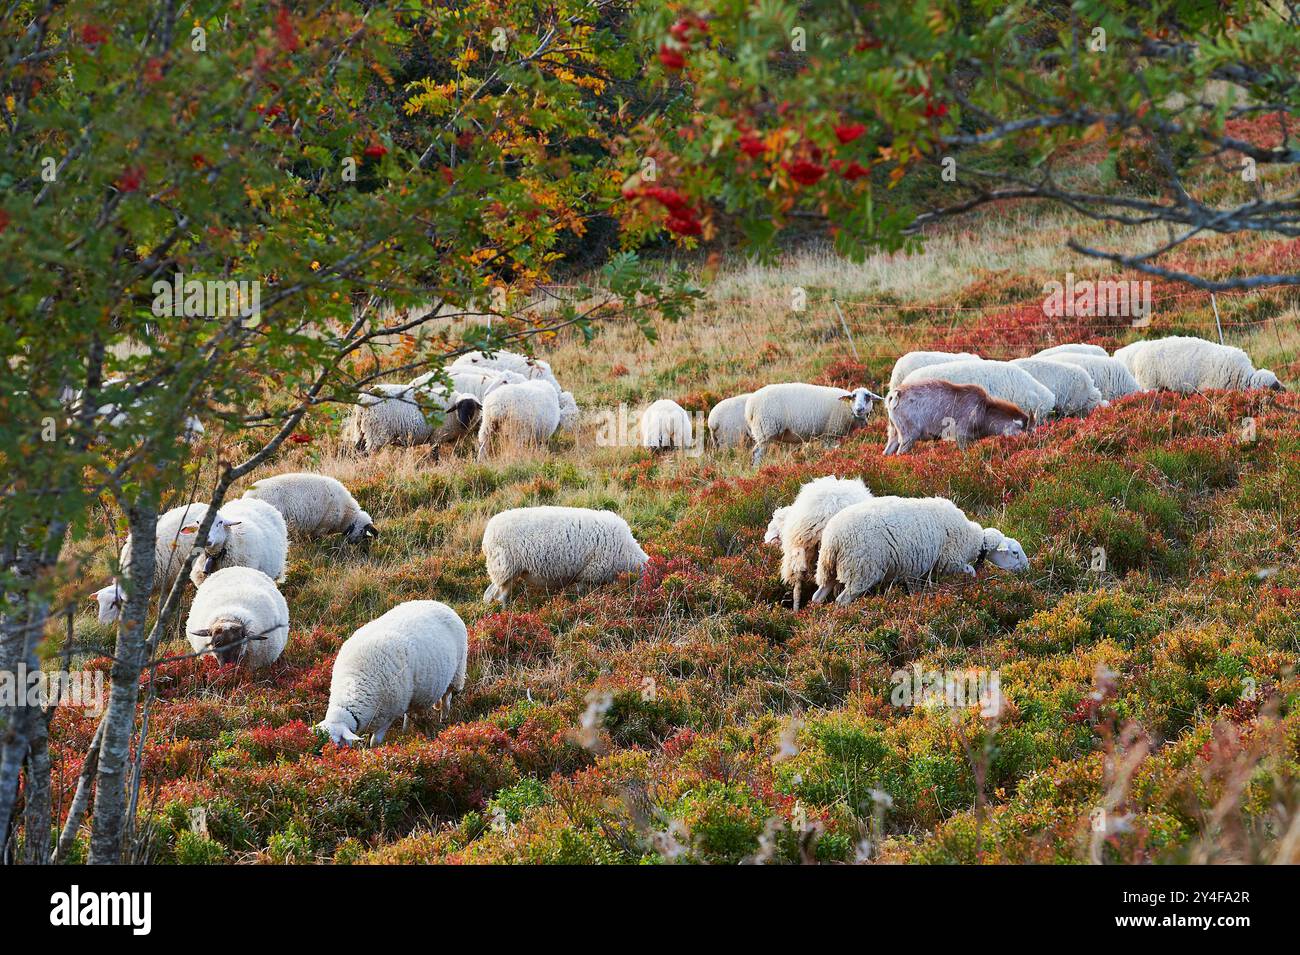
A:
[380,732]
[850,594]
[798,590]
[821,594]
[905,445]
[758,453]
[490,594]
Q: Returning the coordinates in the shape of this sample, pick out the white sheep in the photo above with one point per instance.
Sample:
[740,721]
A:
[727,425]
[1073,387]
[1186,364]
[313,505]
[794,412]
[400,415]
[801,529]
[255,536]
[1001,379]
[469,380]
[905,539]
[115,416]
[1112,379]
[776,526]
[173,541]
[524,414]
[913,360]
[553,547]
[239,615]
[568,411]
[531,368]
[665,425]
[412,656]
[1071,348]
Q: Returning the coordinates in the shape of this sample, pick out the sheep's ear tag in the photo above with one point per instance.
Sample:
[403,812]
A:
[189,528]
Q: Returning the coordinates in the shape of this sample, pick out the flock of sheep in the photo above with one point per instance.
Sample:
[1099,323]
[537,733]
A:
[835,534]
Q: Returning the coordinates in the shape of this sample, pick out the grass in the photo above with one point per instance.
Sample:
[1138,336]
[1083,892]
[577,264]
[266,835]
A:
[692,716]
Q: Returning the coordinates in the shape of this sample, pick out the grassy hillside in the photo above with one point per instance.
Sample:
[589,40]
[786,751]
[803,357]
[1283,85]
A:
[691,715]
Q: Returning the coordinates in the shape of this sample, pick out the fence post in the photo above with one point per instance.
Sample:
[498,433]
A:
[1215,305]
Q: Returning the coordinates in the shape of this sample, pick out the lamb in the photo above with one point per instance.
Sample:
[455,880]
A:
[801,529]
[919,359]
[527,413]
[173,541]
[727,425]
[1071,348]
[1001,379]
[531,368]
[552,547]
[665,425]
[1073,387]
[412,656]
[314,505]
[1186,364]
[256,536]
[239,616]
[912,540]
[399,414]
[793,412]
[1112,379]
[930,410]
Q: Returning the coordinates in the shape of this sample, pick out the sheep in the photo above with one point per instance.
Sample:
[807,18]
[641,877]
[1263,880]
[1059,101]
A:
[1112,379]
[551,547]
[1001,379]
[665,425]
[776,526]
[468,380]
[115,415]
[1186,364]
[1071,348]
[239,616]
[1073,387]
[531,368]
[801,529]
[907,539]
[727,425]
[256,536]
[412,656]
[929,410]
[313,505]
[568,411]
[793,412]
[527,413]
[919,359]
[399,414]
[173,541]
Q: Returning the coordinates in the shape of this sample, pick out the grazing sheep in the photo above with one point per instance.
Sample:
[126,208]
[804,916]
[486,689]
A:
[665,425]
[314,505]
[531,368]
[116,415]
[1112,379]
[239,615]
[524,414]
[906,539]
[1001,379]
[794,412]
[919,359]
[1075,393]
[930,410]
[1071,348]
[399,415]
[173,541]
[568,411]
[467,380]
[727,425]
[801,531]
[256,536]
[412,656]
[552,547]
[1185,364]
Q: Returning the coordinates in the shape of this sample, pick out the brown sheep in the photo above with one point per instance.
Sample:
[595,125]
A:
[927,410]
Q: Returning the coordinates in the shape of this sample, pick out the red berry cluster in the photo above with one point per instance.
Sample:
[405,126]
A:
[682,219]
[672,52]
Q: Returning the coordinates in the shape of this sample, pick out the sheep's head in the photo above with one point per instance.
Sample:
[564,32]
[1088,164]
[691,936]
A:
[362,529]
[568,410]
[218,533]
[339,732]
[110,601]
[227,639]
[1009,555]
[1015,426]
[860,400]
[776,525]
[1263,378]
